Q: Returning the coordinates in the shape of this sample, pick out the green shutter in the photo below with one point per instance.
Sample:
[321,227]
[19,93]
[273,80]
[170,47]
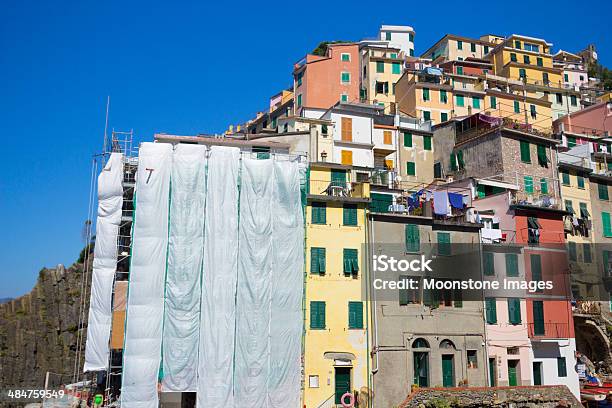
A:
[491,310]
[426,115]
[517,107]
[380,66]
[573,254]
[338,178]
[540,62]
[605,221]
[443,117]
[569,207]
[444,243]
[460,100]
[586,251]
[460,159]
[317,260]
[427,143]
[355,315]
[488,263]
[543,186]
[443,96]
[407,139]
[561,367]
[580,181]
[476,102]
[413,239]
[319,213]
[525,152]
[317,315]
[512,265]
[514,311]
[404,297]
[536,267]
[349,214]
[571,141]
[380,202]
[602,190]
[528,181]
[565,178]
[411,168]
[351,263]
[395,68]
[459,70]
[542,159]
[493,102]
[584,213]
[453,161]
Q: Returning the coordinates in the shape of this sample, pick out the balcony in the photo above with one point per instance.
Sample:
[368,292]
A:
[480,124]
[544,330]
[339,190]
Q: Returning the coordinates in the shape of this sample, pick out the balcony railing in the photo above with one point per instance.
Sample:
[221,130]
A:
[545,330]
[339,189]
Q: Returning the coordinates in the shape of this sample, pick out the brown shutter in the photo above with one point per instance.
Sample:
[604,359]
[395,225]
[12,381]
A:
[387,137]
[347,129]
[347,157]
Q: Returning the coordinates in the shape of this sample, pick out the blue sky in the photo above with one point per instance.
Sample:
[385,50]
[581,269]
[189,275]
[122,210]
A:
[185,68]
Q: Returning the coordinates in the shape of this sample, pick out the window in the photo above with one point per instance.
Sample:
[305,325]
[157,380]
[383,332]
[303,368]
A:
[528,182]
[345,77]
[542,159]
[313,381]
[476,102]
[460,100]
[346,157]
[443,96]
[540,62]
[513,57]
[317,315]
[444,243]
[427,143]
[559,98]
[580,180]
[571,141]
[569,206]
[387,137]
[459,45]
[413,239]
[545,78]
[346,57]
[605,221]
[407,139]
[517,44]
[472,47]
[526,59]
[574,100]
[488,263]
[522,73]
[437,170]
[512,265]
[532,47]
[561,367]
[349,215]
[491,310]
[493,102]
[396,68]
[380,67]
[573,255]
[317,260]
[517,107]
[514,311]
[453,161]
[532,110]
[584,213]
[525,152]
[410,37]
[425,94]
[355,317]
[299,100]
[346,129]
[411,168]
[486,49]
[533,230]
[535,261]
[472,359]
[543,185]
[582,77]
[586,251]
[299,78]
[443,117]
[388,35]
[344,98]
[411,52]
[393,55]
[426,115]
[382,87]
[460,159]
[319,213]
[565,77]
[460,70]
[602,191]
[565,178]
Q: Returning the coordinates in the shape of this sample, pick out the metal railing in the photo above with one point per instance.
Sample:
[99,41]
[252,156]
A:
[338,188]
[548,330]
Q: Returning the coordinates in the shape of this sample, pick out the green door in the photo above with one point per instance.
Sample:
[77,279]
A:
[338,178]
[537,373]
[448,377]
[343,382]
[381,202]
[421,369]
[538,318]
[492,372]
[512,373]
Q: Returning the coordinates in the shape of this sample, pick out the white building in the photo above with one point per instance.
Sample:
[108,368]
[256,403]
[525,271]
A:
[401,37]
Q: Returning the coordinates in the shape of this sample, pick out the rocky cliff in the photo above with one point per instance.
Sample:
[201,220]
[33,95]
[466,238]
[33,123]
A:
[38,331]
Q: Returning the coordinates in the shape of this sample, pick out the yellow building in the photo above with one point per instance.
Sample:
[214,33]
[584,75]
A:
[336,358]
[424,96]
[382,66]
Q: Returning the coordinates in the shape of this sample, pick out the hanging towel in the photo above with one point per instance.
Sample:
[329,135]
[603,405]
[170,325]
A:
[456,200]
[466,200]
[440,202]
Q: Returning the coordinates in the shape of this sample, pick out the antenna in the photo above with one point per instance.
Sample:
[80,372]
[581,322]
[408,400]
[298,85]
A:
[106,125]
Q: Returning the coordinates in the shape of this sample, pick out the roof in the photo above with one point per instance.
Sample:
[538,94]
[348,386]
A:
[456,37]
[397,28]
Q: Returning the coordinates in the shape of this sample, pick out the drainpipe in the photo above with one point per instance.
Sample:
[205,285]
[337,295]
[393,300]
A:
[374,319]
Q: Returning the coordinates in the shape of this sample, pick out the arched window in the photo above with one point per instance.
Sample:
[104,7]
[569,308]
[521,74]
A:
[420,343]
[447,344]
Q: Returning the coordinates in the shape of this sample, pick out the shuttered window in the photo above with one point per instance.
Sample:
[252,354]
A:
[476,102]
[396,68]
[413,238]
[411,168]
[525,152]
[571,141]
[493,102]
[347,157]
[517,107]
[444,243]
[580,180]
[536,267]
[349,215]
[425,94]
[512,265]
[573,254]
[347,129]
[602,191]
[317,260]
[561,367]
[350,262]
[355,317]
[338,178]
[427,144]
[387,139]
[565,178]
[586,251]
[488,263]
[491,310]
[605,221]
[460,100]
[407,139]
[528,181]
[319,213]
[543,186]
[542,159]
[380,67]
[514,311]
[443,96]
[317,315]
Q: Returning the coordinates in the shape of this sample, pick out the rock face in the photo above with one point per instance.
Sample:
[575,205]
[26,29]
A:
[38,331]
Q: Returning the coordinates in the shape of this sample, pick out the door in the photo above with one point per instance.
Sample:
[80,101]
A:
[342,380]
[421,369]
[538,318]
[448,370]
[512,373]
[492,377]
[537,373]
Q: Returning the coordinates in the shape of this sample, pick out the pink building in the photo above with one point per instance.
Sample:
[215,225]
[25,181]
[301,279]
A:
[593,121]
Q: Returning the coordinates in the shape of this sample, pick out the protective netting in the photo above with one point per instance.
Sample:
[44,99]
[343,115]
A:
[110,201]
[227,298]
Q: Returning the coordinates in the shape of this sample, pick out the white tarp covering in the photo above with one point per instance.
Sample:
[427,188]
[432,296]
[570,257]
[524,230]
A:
[110,202]
[216,358]
[145,305]
[185,245]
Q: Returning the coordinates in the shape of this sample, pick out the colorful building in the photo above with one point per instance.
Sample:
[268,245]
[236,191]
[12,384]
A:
[457,48]
[382,64]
